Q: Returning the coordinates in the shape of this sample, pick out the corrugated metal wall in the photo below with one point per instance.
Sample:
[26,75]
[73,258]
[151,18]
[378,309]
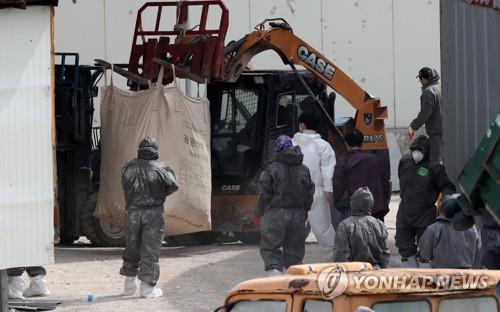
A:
[470,64]
[26,189]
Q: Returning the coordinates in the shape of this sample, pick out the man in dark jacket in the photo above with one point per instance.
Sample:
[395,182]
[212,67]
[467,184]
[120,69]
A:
[421,180]
[358,168]
[146,183]
[362,237]
[430,111]
[444,247]
[286,194]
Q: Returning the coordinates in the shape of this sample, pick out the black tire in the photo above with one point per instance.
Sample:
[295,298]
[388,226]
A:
[67,240]
[193,239]
[97,231]
[249,238]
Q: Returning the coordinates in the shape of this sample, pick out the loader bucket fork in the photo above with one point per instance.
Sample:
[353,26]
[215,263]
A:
[196,50]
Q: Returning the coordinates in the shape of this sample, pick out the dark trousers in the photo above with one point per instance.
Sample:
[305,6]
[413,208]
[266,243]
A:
[380,215]
[144,239]
[436,143]
[490,239]
[282,241]
[32,271]
[407,240]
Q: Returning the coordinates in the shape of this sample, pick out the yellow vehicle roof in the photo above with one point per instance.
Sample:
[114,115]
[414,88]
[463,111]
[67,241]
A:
[304,279]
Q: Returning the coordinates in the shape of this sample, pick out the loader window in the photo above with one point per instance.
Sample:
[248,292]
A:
[235,132]
[284,100]
[289,106]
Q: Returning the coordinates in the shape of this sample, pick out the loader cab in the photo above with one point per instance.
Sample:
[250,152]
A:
[247,116]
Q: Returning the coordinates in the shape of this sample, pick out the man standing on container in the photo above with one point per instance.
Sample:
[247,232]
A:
[146,183]
[430,111]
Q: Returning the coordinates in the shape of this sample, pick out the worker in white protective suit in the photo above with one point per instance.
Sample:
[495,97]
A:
[319,157]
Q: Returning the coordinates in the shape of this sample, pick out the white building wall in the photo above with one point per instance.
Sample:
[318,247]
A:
[26,183]
[380,43]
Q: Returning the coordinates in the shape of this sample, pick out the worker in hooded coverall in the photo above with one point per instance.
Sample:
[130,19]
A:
[421,181]
[146,183]
[38,282]
[430,111]
[319,157]
[490,235]
[362,237]
[286,194]
[444,247]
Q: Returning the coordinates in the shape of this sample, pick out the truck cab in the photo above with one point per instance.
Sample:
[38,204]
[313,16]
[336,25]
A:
[356,286]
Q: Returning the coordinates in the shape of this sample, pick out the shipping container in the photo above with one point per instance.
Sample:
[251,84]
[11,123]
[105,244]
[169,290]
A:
[470,64]
[26,166]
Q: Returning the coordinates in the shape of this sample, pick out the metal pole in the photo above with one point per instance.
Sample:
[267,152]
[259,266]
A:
[4,289]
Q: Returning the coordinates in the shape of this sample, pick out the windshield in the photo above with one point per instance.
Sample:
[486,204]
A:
[408,306]
[260,306]
[317,306]
[479,304]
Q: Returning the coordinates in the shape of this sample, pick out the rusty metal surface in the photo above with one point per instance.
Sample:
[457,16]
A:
[308,282]
[22,4]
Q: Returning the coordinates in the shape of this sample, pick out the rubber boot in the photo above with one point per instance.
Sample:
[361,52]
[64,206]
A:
[410,262]
[148,291]
[363,309]
[16,286]
[424,265]
[273,272]
[130,286]
[38,287]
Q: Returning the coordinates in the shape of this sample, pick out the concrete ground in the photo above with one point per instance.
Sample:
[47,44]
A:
[192,279]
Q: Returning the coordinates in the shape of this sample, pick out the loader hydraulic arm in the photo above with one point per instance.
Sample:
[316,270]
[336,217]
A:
[279,37]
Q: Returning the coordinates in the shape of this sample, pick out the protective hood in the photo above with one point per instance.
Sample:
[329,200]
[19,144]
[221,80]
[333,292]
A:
[148,149]
[433,79]
[362,202]
[449,206]
[291,156]
[423,144]
[308,137]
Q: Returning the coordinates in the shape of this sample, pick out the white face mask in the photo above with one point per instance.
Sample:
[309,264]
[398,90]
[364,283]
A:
[417,156]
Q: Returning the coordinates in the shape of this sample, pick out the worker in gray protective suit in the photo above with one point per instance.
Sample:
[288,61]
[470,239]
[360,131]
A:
[286,194]
[146,183]
[444,247]
[490,235]
[430,111]
[362,237]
